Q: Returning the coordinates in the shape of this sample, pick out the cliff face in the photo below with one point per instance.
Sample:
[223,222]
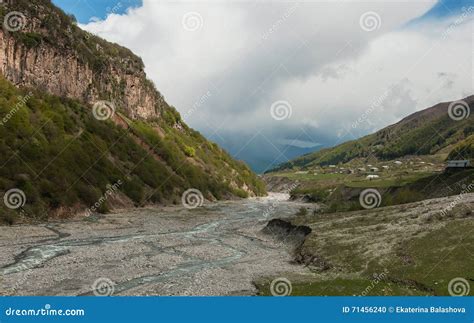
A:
[70,62]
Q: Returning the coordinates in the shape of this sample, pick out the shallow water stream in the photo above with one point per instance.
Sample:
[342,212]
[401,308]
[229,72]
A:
[213,250]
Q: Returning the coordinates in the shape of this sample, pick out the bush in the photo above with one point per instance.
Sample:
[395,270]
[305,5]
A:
[7,217]
[406,195]
[133,188]
[302,211]
[87,194]
[189,151]
[241,193]
[30,40]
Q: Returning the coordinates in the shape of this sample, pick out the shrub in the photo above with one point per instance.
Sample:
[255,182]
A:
[133,188]
[189,151]
[7,216]
[302,211]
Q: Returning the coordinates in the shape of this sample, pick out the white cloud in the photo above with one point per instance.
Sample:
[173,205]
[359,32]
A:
[402,72]
[314,55]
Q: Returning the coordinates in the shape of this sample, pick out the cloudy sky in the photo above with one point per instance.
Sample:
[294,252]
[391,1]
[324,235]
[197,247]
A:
[272,79]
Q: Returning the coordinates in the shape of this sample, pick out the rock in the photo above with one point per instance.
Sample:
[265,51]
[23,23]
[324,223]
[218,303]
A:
[60,70]
[292,235]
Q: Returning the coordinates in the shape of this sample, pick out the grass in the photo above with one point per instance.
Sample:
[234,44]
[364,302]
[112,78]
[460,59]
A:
[308,176]
[340,192]
[397,250]
[390,180]
[341,286]
[438,257]
[330,180]
[62,158]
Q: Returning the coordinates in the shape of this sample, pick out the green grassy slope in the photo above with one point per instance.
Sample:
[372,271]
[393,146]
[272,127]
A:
[59,155]
[401,250]
[464,149]
[422,133]
[340,193]
[63,159]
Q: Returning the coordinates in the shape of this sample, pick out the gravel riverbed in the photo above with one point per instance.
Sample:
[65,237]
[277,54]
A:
[213,250]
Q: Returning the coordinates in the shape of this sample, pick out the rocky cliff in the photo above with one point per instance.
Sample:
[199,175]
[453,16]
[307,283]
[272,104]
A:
[50,52]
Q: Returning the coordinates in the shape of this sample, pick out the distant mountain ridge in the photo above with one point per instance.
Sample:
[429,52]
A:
[425,132]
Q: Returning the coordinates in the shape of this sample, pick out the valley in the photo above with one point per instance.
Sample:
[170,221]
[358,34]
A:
[220,249]
[107,191]
[214,250]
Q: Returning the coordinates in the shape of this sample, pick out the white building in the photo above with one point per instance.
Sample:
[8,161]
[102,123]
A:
[371,177]
[458,164]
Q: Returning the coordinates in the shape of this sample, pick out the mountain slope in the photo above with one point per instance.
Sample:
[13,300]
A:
[65,149]
[464,149]
[51,53]
[422,133]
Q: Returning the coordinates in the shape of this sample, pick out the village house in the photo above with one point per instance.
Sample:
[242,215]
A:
[371,177]
[458,164]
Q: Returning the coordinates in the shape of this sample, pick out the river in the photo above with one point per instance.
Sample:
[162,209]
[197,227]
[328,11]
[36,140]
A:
[216,249]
